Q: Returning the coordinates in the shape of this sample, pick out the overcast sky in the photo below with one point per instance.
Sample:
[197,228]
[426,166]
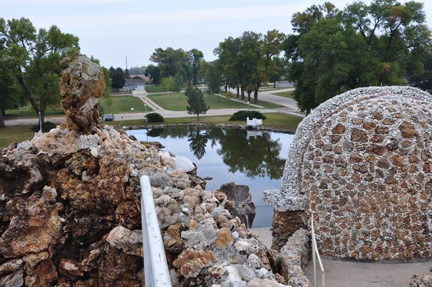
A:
[110,30]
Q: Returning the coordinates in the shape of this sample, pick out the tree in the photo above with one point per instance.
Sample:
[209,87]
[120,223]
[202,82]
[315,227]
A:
[178,83]
[8,93]
[118,80]
[168,83]
[33,58]
[137,70]
[196,57]
[363,45]
[414,73]
[107,96]
[197,104]
[126,74]
[171,61]
[213,80]
[153,72]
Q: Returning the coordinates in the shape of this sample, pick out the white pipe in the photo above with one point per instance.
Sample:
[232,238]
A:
[315,251]
[155,265]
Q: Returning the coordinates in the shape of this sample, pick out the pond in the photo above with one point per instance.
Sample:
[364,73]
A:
[252,158]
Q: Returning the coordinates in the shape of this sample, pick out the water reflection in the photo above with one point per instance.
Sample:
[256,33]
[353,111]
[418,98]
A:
[257,156]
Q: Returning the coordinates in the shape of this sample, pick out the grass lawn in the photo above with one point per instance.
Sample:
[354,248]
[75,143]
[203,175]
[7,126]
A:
[173,103]
[123,104]
[15,134]
[121,93]
[29,113]
[160,88]
[289,94]
[280,121]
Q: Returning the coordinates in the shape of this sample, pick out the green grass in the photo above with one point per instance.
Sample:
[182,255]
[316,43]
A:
[160,88]
[264,104]
[29,113]
[288,94]
[121,93]
[123,104]
[280,121]
[15,134]
[173,103]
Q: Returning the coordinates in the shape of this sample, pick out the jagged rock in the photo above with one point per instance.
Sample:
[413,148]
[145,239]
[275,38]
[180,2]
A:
[243,208]
[45,274]
[129,241]
[15,279]
[82,84]
[35,224]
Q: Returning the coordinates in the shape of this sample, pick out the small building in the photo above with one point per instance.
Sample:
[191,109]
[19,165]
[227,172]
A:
[134,84]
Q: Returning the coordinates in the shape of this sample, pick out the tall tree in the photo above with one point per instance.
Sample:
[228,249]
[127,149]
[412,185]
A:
[33,58]
[171,61]
[213,80]
[197,104]
[196,57]
[8,92]
[153,72]
[118,80]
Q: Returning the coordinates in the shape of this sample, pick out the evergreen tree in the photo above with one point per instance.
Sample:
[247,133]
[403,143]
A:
[197,104]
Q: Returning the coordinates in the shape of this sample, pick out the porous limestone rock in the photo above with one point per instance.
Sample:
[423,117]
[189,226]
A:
[243,208]
[82,84]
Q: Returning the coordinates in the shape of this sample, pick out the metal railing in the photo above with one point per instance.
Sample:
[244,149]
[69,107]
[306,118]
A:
[155,265]
[315,253]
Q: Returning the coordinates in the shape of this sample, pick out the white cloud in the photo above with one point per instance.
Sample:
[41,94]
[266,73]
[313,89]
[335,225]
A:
[219,14]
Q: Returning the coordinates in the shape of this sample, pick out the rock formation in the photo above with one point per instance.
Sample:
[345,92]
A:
[82,84]
[361,163]
[243,207]
[70,207]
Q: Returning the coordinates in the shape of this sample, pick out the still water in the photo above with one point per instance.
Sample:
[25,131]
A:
[255,159]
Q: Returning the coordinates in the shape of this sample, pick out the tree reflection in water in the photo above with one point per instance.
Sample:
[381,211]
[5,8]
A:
[252,157]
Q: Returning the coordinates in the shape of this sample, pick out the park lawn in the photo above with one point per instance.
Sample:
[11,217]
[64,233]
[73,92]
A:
[275,120]
[160,88]
[29,113]
[123,104]
[15,134]
[288,94]
[261,103]
[121,93]
[174,102]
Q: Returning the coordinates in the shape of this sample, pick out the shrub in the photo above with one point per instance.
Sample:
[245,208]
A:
[242,115]
[154,118]
[46,127]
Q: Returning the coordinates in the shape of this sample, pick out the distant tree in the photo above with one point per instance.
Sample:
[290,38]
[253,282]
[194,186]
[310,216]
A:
[168,83]
[196,57]
[229,95]
[111,70]
[171,61]
[197,104]
[33,59]
[137,70]
[127,75]
[153,72]
[213,80]
[420,75]
[178,82]
[118,80]
[136,78]
[283,66]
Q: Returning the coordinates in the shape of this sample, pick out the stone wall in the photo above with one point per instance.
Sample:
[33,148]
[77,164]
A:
[361,163]
[284,224]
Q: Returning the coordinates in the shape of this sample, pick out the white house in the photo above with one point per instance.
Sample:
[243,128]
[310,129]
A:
[134,84]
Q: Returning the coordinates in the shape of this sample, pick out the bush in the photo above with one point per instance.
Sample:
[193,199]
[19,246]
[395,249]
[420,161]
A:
[46,127]
[242,115]
[154,118]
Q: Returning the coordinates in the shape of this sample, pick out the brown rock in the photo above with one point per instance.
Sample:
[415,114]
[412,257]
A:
[369,125]
[358,135]
[339,129]
[388,121]
[376,149]
[397,160]
[35,224]
[128,215]
[335,139]
[381,130]
[338,150]
[44,275]
[355,158]
[383,163]
[426,168]
[407,130]
[377,115]
[80,93]
[328,159]
[377,139]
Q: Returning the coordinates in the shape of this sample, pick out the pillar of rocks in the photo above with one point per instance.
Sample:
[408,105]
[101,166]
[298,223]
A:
[82,84]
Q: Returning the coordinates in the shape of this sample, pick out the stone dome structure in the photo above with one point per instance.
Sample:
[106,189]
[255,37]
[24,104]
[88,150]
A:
[361,163]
